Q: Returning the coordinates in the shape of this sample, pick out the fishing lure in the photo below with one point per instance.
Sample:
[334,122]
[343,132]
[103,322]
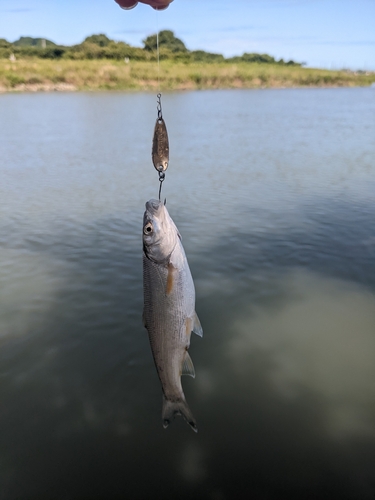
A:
[160,145]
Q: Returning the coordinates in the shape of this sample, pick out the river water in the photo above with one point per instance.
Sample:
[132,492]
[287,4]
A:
[273,192]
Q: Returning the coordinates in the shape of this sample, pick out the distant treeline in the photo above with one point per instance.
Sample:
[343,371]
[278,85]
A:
[101,47]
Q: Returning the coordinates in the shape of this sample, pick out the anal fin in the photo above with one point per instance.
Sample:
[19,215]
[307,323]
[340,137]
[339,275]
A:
[187,366]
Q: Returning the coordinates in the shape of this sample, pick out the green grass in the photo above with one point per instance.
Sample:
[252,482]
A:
[40,74]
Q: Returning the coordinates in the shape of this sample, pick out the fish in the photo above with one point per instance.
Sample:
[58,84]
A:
[160,146]
[169,308]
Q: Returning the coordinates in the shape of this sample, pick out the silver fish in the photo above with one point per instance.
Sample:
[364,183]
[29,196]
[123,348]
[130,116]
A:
[169,308]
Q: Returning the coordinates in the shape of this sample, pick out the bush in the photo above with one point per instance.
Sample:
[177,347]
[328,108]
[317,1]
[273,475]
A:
[14,79]
[28,41]
[4,44]
[202,56]
[101,40]
[99,46]
[53,52]
[166,40]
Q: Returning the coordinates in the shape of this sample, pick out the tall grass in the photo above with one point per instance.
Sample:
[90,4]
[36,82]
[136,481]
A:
[40,74]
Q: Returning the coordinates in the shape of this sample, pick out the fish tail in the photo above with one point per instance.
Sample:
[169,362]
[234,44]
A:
[177,407]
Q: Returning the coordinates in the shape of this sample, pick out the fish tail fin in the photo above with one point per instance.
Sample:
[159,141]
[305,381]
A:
[177,407]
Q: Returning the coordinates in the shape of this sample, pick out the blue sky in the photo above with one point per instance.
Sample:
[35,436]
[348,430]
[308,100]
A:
[322,33]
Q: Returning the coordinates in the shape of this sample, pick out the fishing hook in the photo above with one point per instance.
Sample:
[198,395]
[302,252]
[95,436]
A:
[161,180]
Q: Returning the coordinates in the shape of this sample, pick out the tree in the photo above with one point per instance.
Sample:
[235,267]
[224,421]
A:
[4,44]
[166,40]
[101,40]
[28,41]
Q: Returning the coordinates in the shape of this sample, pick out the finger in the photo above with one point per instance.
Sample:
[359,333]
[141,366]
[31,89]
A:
[158,4]
[127,4]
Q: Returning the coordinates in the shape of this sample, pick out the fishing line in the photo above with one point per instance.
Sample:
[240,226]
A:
[157,48]
[160,143]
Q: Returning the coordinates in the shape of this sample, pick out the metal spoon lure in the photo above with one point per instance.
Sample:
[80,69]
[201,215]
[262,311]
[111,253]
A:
[160,145]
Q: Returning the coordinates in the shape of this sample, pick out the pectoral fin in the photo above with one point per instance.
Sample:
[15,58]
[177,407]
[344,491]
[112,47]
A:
[197,328]
[187,366]
[170,278]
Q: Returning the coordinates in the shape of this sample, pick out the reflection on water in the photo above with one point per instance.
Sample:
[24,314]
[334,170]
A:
[322,341]
[273,192]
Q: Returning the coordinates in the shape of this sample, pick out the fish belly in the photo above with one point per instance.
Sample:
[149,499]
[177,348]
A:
[165,316]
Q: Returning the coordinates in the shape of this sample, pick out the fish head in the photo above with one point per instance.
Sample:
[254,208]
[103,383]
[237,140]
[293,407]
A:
[160,234]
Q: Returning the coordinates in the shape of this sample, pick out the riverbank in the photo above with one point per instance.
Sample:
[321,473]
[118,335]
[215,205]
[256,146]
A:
[69,75]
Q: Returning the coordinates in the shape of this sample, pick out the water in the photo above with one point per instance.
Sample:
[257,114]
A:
[274,194]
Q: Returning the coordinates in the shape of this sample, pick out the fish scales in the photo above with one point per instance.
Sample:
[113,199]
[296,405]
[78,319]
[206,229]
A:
[169,307]
[165,310]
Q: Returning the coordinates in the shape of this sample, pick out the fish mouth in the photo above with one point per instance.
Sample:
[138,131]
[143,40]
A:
[153,211]
[154,206]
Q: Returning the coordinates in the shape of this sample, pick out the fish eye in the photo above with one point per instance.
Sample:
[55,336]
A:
[148,229]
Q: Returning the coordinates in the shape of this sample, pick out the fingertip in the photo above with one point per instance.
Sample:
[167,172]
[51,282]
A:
[127,4]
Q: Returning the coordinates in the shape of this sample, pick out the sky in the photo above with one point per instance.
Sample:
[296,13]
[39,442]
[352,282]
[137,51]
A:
[330,34]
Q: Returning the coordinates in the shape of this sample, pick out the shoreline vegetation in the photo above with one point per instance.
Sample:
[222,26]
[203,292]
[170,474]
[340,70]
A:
[98,63]
[47,75]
